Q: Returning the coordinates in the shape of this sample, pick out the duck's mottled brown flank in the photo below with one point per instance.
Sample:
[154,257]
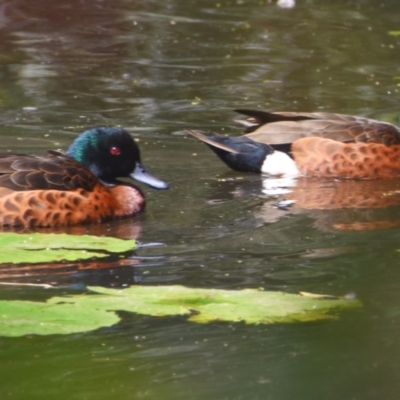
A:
[58,191]
[325,157]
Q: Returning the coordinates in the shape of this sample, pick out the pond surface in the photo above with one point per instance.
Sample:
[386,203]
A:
[158,68]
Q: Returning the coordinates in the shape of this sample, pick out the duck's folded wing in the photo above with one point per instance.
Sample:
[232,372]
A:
[56,172]
[287,127]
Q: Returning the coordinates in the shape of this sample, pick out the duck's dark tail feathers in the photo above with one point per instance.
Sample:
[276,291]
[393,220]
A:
[239,153]
[211,142]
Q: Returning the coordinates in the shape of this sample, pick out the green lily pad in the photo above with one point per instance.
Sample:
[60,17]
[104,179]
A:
[40,248]
[80,313]
[19,318]
[205,305]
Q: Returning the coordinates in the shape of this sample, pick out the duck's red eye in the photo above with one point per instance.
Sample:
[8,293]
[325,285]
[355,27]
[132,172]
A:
[115,151]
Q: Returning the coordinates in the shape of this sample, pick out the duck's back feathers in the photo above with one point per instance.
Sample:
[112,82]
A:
[279,128]
[56,172]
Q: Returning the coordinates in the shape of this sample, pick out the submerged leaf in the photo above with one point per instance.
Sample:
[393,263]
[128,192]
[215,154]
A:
[40,248]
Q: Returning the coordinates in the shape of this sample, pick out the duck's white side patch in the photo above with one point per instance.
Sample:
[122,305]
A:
[279,163]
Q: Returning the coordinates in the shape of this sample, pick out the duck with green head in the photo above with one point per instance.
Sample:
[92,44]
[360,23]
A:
[78,187]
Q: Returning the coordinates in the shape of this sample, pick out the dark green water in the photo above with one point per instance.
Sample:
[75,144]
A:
[158,68]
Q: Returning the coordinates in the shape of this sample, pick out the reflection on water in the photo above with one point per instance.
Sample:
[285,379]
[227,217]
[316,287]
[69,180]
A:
[332,204]
[158,68]
[352,204]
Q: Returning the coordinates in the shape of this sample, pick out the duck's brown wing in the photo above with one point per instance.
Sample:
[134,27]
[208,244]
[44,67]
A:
[56,171]
[287,127]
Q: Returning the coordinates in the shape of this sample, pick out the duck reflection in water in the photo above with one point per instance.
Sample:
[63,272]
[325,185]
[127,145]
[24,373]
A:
[337,204]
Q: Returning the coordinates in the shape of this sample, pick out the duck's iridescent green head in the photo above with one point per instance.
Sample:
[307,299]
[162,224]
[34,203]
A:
[111,153]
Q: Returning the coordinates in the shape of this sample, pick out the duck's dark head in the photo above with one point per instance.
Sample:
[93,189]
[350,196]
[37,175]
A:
[111,153]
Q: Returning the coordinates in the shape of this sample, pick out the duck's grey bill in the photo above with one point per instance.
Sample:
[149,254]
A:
[140,174]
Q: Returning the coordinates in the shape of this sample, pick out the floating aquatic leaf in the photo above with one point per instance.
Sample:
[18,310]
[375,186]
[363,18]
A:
[78,313]
[317,296]
[205,305]
[18,318]
[39,248]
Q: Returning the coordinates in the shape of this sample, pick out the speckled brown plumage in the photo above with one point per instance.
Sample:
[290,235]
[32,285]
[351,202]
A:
[329,158]
[56,190]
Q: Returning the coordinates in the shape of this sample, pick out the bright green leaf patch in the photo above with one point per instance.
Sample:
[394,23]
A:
[90,311]
[40,248]
[18,318]
[394,33]
[205,305]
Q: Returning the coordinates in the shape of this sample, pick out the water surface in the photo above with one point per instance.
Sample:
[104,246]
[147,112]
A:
[158,68]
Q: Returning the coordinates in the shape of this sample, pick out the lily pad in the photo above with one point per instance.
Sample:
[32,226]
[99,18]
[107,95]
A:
[205,305]
[78,313]
[40,248]
[19,318]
